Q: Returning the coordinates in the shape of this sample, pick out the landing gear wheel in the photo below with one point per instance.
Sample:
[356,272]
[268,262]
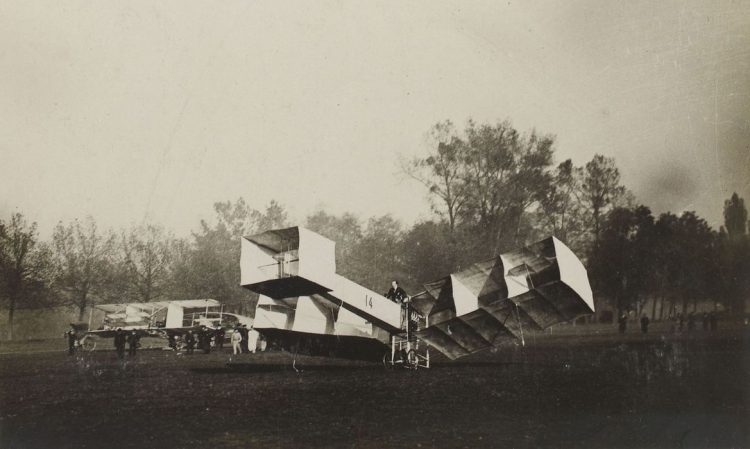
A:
[387,360]
[412,361]
[88,343]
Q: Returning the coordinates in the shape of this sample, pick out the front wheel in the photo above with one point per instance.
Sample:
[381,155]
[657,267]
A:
[412,360]
[387,362]
[88,343]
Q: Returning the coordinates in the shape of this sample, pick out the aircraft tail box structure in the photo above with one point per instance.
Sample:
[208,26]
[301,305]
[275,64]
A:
[295,269]
[531,288]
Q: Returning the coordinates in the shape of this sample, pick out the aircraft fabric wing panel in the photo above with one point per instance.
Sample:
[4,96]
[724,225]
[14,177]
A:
[541,310]
[487,326]
[464,335]
[512,318]
[437,339]
[567,301]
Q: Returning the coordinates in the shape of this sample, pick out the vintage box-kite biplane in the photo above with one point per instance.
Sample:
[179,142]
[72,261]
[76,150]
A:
[305,306]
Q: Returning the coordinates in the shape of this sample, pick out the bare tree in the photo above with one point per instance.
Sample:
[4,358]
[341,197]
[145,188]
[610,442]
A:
[146,264]
[505,174]
[24,267]
[442,170]
[82,257]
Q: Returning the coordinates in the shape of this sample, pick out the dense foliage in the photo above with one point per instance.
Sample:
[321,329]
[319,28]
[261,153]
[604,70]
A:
[492,188]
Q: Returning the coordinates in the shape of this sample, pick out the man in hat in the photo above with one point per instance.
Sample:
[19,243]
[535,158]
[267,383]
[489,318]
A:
[133,342]
[72,339]
[219,336]
[189,342]
[120,338]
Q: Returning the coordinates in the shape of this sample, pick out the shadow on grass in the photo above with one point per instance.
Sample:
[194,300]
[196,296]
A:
[272,368]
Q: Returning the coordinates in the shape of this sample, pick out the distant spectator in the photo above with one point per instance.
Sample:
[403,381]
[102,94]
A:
[713,321]
[120,340]
[236,342]
[205,337]
[219,336]
[252,340]
[681,317]
[691,322]
[172,341]
[622,323]
[243,344]
[133,342]
[644,324]
[72,337]
[189,342]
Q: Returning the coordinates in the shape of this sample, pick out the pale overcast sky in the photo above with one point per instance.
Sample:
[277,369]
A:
[133,111]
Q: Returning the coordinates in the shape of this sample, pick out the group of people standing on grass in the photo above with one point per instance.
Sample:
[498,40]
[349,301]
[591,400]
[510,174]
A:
[123,338]
[243,339]
[622,323]
[709,322]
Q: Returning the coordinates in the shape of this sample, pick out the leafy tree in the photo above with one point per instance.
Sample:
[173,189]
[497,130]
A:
[618,265]
[208,266]
[505,174]
[486,180]
[275,217]
[733,247]
[442,172]
[238,219]
[735,215]
[24,267]
[601,191]
[694,242]
[346,231]
[378,256]
[147,254]
[666,261]
[430,252]
[82,260]
[561,210]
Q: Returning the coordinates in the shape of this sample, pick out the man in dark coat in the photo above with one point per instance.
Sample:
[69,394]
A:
[691,322]
[205,338]
[133,342]
[219,336]
[172,341]
[644,324]
[622,323]
[243,344]
[396,293]
[72,339]
[120,338]
[189,342]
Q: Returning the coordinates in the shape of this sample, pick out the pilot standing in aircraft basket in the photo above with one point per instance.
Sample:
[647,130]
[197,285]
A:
[396,293]
[399,296]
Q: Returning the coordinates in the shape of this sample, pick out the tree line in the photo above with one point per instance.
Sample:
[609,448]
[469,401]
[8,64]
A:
[491,188]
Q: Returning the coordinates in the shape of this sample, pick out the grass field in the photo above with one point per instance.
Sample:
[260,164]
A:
[592,391]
